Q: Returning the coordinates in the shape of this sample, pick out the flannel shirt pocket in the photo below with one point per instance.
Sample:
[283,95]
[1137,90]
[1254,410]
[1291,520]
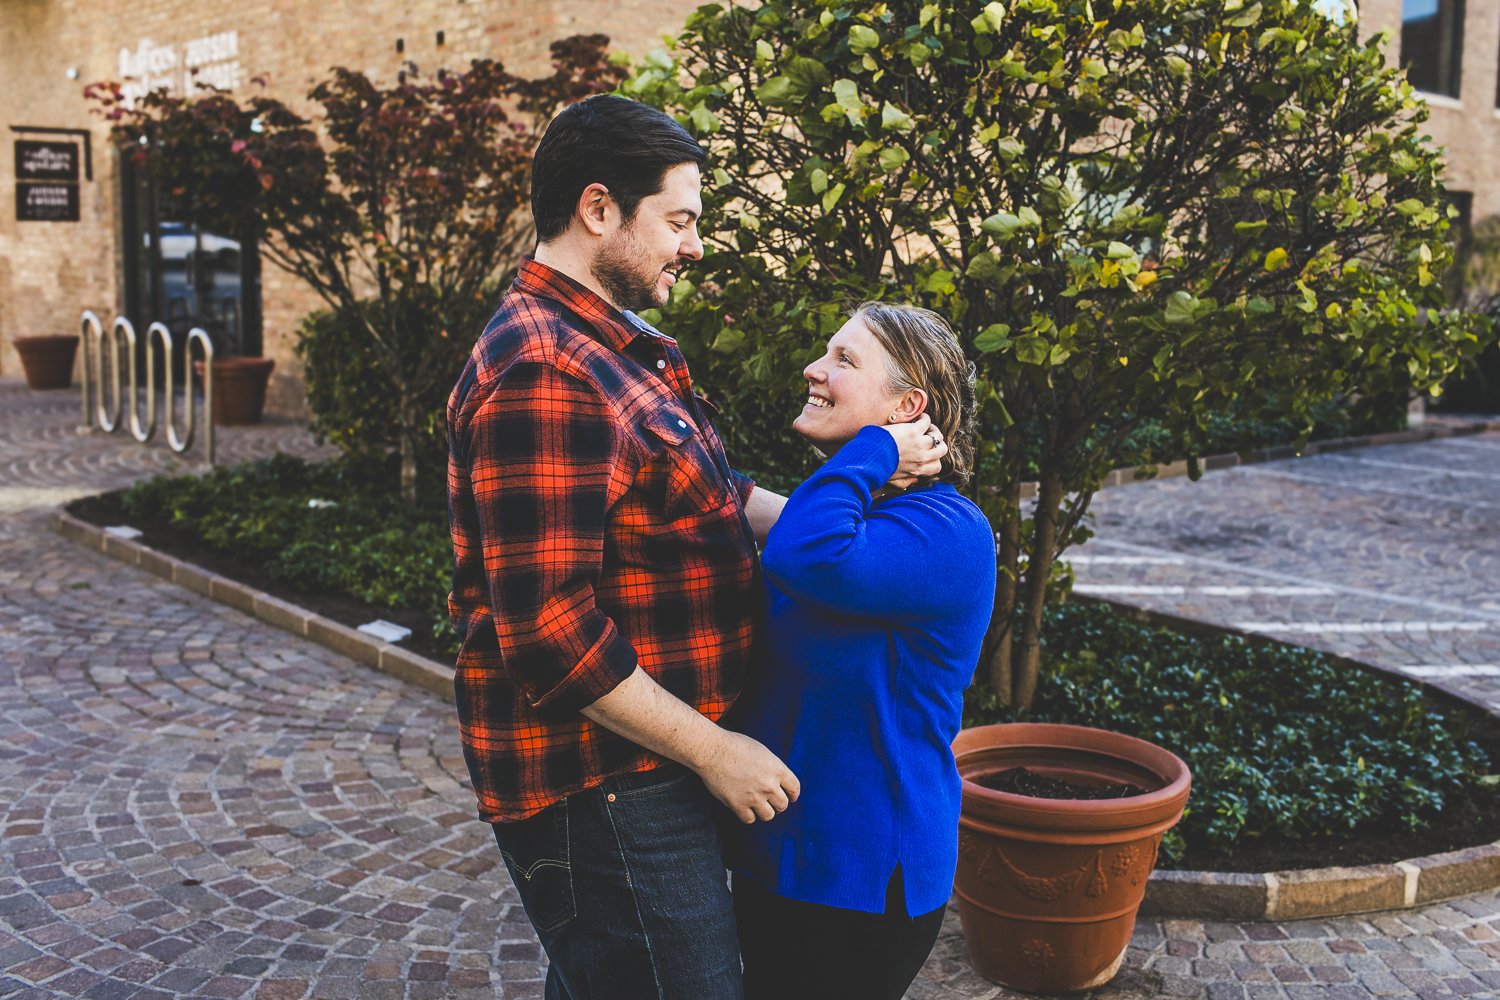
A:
[692,482]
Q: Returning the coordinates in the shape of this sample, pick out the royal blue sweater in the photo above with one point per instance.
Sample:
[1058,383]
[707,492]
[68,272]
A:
[877,612]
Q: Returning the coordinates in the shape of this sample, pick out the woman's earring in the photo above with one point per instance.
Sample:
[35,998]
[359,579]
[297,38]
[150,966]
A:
[892,419]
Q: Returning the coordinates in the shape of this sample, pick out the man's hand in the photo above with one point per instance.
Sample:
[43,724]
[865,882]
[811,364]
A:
[749,779]
[921,448]
[745,776]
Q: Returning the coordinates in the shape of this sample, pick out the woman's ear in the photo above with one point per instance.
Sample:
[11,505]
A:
[911,405]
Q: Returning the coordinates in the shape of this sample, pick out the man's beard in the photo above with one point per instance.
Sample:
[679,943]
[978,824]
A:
[618,270]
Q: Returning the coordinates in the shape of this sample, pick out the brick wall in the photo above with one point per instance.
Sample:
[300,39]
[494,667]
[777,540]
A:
[49,271]
[1467,127]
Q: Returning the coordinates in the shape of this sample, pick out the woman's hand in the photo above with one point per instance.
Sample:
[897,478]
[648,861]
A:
[921,448]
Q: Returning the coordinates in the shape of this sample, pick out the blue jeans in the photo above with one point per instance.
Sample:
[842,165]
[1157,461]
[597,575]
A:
[626,889]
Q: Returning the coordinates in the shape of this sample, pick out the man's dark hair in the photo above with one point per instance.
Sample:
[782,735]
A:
[622,144]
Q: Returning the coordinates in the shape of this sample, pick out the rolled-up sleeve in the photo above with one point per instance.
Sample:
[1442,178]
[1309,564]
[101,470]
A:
[547,461]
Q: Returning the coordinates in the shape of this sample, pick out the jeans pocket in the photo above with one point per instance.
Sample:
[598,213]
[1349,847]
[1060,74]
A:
[657,781]
[536,852]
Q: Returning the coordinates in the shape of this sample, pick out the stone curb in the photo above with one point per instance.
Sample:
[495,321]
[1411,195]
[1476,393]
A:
[1230,896]
[1212,463]
[1314,892]
[383,656]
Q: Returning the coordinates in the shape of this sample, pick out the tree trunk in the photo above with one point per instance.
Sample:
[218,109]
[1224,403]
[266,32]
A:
[997,669]
[1028,651]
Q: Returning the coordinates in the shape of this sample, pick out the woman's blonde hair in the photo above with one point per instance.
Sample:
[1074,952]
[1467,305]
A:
[925,354]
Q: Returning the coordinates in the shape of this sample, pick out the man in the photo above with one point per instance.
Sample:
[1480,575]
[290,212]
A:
[605,583]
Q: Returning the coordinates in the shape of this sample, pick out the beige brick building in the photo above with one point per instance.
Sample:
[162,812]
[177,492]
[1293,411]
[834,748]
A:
[1452,51]
[49,49]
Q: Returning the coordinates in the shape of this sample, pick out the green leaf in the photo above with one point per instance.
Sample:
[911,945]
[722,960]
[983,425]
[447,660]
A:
[1181,308]
[984,268]
[990,19]
[729,340]
[1409,206]
[1249,228]
[1276,259]
[1001,224]
[1029,218]
[846,92]
[892,158]
[1093,69]
[763,51]
[863,39]
[1032,350]
[721,177]
[1010,147]
[995,337]
[893,118]
[659,59]
[1118,251]
[1246,19]
[704,120]
[832,195]
[818,179]
[777,90]
[1177,66]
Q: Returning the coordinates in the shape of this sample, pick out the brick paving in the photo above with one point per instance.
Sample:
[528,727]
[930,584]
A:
[193,804]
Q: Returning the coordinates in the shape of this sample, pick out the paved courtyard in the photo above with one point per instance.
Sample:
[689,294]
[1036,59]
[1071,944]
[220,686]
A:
[193,804]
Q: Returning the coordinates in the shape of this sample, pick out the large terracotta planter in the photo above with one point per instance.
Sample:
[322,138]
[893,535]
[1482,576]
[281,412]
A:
[1048,889]
[48,360]
[239,388]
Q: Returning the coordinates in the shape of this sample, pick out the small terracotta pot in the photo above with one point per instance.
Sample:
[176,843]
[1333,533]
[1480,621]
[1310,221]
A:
[239,388]
[48,360]
[1048,889]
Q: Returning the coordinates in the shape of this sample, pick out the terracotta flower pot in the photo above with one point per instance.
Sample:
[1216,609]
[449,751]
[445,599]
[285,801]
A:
[1048,889]
[48,361]
[239,388]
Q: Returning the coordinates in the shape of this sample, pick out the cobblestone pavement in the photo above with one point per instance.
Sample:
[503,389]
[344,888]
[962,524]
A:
[193,804]
[1389,555]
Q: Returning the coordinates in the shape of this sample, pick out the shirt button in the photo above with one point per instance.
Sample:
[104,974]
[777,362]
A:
[610,797]
[682,424]
[661,363]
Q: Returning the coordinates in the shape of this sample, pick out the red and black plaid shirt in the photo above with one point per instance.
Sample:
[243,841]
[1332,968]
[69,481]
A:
[596,527]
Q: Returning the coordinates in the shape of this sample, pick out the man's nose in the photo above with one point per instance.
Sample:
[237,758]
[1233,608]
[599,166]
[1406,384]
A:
[692,247]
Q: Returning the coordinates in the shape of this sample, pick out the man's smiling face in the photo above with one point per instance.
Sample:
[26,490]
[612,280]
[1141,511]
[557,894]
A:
[638,263]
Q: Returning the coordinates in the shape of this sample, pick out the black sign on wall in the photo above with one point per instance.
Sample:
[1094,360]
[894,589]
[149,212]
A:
[47,202]
[46,161]
[46,181]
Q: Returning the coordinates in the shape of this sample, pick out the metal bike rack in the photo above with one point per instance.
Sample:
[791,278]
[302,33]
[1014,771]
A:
[99,347]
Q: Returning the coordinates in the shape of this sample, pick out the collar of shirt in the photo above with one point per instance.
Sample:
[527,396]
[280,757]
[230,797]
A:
[617,329]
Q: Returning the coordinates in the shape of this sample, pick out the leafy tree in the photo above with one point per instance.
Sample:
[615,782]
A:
[1132,211]
[401,206]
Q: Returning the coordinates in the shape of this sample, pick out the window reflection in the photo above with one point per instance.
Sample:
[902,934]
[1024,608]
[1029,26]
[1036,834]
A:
[1432,43]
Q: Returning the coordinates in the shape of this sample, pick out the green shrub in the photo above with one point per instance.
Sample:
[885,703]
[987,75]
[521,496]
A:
[1283,742]
[369,545]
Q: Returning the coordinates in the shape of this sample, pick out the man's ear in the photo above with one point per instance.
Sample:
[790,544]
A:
[911,405]
[594,209]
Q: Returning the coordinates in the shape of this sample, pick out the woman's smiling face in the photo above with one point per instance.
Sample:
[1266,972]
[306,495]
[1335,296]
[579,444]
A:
[847,388]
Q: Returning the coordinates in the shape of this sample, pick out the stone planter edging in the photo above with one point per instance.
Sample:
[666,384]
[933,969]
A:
[1293,895]
[372,652]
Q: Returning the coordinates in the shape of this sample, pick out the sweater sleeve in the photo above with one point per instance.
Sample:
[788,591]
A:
[833,547]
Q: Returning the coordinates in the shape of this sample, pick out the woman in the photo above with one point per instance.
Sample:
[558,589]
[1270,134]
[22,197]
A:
[879,600]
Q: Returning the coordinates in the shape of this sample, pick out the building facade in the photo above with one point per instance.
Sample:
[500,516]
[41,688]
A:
[77,228]
[1451,50]
[75,223]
